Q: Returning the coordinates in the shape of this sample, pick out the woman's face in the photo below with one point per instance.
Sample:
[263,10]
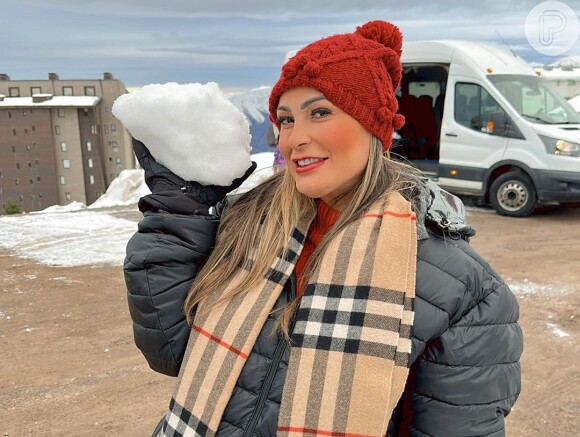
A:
[326,150]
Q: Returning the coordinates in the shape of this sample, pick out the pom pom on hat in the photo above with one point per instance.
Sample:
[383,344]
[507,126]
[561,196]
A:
[384,33]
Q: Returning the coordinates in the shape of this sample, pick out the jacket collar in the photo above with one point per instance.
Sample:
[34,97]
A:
[445,210]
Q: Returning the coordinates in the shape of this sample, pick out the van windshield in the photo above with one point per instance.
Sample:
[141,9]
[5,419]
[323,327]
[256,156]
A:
[534,98]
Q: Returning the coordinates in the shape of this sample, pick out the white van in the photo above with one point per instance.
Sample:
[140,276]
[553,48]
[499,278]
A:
[480,121]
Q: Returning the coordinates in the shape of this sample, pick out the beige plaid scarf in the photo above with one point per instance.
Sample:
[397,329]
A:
[345,377]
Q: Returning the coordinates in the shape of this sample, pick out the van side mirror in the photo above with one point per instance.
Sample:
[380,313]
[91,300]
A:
[499,124]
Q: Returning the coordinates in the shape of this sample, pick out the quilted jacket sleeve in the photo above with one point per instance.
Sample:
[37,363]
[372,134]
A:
[468,375]
[163,258]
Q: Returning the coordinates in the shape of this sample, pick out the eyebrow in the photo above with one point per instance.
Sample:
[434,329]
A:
[303,105]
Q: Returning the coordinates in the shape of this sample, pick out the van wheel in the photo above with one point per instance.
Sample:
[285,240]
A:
[513,194]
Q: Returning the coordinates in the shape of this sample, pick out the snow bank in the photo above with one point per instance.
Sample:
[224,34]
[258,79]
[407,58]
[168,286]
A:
[67,238]
[73,206]
[126,189]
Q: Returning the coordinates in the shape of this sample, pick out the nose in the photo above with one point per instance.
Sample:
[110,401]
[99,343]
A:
[299,136]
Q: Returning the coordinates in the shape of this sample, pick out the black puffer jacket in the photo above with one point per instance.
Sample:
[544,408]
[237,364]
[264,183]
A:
[466,341]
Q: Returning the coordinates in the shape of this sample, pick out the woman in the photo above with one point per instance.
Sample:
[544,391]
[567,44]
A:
[340,296]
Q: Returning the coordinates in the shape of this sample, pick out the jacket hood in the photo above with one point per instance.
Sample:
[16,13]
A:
[447,211]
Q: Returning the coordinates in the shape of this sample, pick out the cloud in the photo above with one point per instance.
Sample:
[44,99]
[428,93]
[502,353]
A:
[199,39]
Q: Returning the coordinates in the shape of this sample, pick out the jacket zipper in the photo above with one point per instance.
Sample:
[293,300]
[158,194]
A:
[278,352]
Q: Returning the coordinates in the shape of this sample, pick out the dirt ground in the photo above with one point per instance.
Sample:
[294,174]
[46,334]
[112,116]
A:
[69,366]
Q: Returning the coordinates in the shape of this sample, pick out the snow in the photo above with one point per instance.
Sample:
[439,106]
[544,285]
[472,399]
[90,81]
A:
[253,103]
[73,206]
[556,330]
[527,288]
[569,61]
[559,74]
[74,235]
[67,238]
[192,129]
[61,101]
[126,189]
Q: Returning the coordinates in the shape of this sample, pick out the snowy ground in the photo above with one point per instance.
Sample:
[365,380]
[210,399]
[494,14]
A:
[77,235]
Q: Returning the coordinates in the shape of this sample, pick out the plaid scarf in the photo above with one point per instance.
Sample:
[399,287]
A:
[350,345]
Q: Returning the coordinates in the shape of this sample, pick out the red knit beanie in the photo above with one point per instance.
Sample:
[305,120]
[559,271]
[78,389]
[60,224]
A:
[358,72]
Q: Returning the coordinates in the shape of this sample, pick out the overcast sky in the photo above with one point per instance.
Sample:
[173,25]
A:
[237,43]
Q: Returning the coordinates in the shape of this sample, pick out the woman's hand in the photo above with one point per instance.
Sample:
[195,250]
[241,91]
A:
[173,194]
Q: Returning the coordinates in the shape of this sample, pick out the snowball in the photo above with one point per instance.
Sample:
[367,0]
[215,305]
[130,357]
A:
[193,130]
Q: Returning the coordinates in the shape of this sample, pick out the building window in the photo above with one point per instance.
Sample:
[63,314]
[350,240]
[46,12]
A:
[89,91]
[36,161]
[67,91]
[17,165]
[31,181]
[571,82]
[30,165]
[13,131]
[118,161]
[63,147]
[62,180]
[33,128]
[21,198]
[16,181]
[115,147]
[57,129]
[28,147]
[61,112]
[35,90]
[9,114]
[24,113]
[90,162]
[14,149]
[40,195]
[66,163]
[14,92]
[94,129]
[89,146]
[38,178]
[91,180]
[67,196]
[98,194]
[86,112]
[106,128]
[113,128]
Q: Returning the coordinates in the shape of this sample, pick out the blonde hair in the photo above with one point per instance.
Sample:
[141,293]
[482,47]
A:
[261,221]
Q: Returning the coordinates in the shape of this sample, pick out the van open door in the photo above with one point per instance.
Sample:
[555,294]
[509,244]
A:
[421,99]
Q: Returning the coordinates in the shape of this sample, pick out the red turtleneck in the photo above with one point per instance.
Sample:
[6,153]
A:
[325,218]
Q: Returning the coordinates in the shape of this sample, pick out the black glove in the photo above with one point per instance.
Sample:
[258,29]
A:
[173,194]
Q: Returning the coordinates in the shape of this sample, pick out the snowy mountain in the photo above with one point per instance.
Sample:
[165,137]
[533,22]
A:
[566,63]
[254,105]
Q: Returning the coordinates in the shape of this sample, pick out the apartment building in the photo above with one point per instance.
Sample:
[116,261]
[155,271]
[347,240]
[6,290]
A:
[59,141]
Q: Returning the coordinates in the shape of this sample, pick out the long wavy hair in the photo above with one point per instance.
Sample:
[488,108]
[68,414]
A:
[259,224]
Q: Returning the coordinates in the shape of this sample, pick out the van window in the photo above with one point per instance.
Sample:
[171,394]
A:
[534,98]
[474,106]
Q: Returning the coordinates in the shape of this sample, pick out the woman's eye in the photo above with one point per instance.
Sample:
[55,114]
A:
[320,112]
[285,119]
